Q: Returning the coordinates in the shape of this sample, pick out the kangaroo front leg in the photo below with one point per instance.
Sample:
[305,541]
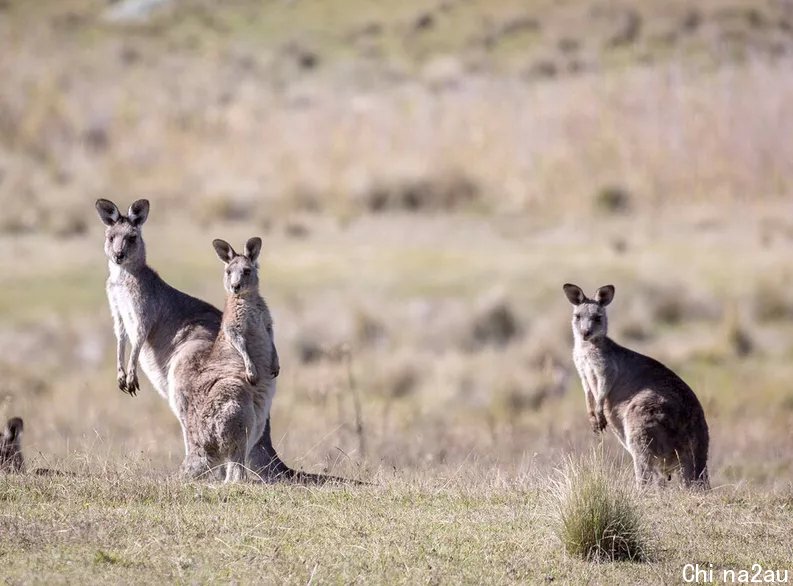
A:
[120,372]
[590,386]
[238,341]
[133,385]
[121,344]
[136,341]
[597,423]
[600,397]
[275,365]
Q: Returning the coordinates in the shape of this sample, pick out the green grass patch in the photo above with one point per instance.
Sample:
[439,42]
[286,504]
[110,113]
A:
[597,512]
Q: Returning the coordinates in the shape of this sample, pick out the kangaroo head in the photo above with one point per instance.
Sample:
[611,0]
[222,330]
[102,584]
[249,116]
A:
[11,446]
[123,240]
[242,270]
[590,322]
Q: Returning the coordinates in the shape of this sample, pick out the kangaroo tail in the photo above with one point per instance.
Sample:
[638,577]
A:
[702,477]
[276,470]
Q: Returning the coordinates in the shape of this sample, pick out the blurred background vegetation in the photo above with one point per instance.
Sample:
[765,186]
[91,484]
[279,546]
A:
[425,176]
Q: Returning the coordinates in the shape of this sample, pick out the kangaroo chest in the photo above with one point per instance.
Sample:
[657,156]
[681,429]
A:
[251,320]
[258,342]
[593,370]
[132,305]
[125,301]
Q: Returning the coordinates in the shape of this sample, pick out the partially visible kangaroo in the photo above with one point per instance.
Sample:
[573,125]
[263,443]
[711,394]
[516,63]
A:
[654,414]
[167,329]
[11,459]
[229,397]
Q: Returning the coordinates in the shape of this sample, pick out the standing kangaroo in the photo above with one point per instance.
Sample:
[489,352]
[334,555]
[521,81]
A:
[229,399]
[168,331]
[654,414]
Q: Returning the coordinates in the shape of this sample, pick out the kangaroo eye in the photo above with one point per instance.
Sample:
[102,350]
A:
[246,272]
[132,239]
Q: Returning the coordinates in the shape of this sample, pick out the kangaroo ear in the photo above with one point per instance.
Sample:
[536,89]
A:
[108,212]
[605,295]
[575,294]
[252,248]
[225,251]
[13,429]
[138,212]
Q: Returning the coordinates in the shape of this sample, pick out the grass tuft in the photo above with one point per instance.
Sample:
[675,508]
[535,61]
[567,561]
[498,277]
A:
[597,514]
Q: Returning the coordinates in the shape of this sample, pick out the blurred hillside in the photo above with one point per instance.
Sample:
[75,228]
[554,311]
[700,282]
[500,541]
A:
[425,176]
[350,107]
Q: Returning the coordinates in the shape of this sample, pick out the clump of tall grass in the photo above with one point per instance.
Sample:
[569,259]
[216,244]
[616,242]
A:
[596,512]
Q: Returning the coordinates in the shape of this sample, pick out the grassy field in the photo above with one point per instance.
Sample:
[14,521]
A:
[425,176]
[121,528]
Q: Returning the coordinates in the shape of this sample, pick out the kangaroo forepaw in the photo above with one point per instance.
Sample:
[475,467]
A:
[132,385]
[600,422]
[251,375]
[597,421]
[122,379]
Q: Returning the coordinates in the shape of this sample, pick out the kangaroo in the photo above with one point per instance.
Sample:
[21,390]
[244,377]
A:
[247,324]
[654,414]
[230,397]
[11,459]
[169,331]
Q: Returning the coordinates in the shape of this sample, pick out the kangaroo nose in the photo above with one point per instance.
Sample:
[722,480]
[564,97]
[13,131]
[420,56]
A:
[119,256]
[235,288]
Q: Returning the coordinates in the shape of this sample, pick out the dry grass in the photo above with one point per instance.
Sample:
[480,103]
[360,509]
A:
[120,527]
[424,179]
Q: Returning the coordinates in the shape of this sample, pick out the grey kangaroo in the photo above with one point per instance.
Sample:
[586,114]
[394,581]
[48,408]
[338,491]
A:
[11,459]
[654,414]
[168,331]
[229,397]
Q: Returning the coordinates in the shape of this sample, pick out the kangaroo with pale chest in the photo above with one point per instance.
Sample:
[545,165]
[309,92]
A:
[229,397]
[168,331]
[654,414]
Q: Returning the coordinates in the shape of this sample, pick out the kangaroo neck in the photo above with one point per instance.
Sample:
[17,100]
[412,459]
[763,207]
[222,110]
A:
[121,273]
[596,346]
[235,299]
